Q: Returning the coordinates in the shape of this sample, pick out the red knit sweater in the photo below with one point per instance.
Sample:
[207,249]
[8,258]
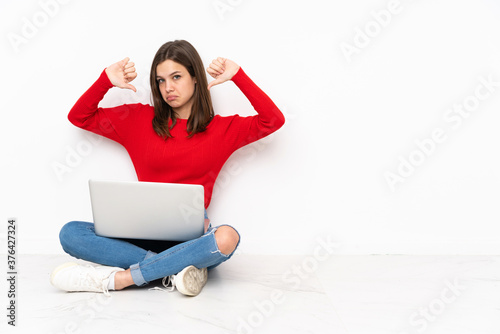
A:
[196,160]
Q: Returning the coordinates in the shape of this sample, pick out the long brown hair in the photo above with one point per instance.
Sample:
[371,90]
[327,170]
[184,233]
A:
[202,112]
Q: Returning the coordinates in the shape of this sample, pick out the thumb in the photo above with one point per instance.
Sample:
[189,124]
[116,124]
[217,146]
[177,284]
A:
[124,61]
[129,86]
[215,82]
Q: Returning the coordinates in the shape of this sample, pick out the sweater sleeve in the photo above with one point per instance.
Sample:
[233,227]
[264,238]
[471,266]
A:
[108,122]
[245,130]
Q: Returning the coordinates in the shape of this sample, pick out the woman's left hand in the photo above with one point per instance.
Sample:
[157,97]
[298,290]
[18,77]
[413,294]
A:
[222,70]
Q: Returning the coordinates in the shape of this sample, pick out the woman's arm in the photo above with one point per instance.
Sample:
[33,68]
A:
[245,130]
[85,113]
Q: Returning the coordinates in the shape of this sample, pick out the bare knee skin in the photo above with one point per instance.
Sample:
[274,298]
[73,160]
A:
[227,239]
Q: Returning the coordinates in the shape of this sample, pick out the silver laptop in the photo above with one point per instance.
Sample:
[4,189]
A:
[147,210]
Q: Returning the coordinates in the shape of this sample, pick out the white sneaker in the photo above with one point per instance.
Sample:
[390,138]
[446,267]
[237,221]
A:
[74,277]
[189,281]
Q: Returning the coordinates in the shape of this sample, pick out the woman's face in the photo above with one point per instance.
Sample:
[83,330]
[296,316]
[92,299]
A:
[176,87]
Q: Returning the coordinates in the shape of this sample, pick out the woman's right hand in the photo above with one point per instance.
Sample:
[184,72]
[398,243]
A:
[122,73]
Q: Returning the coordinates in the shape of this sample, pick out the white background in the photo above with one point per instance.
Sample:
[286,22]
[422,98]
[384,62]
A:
[349,119]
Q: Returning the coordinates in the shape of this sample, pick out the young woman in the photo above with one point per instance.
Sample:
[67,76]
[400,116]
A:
[177,140]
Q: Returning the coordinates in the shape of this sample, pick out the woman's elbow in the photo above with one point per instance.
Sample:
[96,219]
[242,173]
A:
[278,121]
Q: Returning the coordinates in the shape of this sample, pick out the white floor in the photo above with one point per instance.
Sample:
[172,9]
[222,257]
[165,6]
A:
[280,294]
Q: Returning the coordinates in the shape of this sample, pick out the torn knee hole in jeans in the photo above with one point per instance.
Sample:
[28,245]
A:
[219,251]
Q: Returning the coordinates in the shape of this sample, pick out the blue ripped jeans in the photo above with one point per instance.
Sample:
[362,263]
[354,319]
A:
[148,260]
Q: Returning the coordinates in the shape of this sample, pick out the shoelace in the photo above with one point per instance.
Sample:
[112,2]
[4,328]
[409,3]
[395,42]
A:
[171,281]
[93,277]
